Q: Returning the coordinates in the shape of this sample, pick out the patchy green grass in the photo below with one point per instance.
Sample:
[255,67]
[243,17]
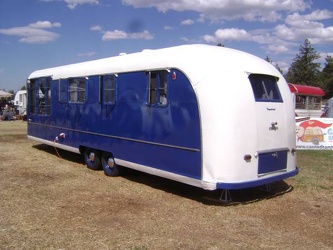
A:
[316,169]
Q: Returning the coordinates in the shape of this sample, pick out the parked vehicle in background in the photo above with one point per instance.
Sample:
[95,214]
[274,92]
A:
[20,102]
[328,109]
[307,100]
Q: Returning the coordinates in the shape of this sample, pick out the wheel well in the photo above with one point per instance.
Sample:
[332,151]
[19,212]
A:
[81,149]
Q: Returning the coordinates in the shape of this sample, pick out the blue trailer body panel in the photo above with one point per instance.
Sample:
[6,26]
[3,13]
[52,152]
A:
[164,137]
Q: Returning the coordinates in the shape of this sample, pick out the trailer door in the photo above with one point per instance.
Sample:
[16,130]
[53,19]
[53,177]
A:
[272,143]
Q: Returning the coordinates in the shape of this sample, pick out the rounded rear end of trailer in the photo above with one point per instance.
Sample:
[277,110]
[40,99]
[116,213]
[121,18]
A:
[247,122]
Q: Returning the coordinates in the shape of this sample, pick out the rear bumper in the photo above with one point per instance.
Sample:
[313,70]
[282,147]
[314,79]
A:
[258,182]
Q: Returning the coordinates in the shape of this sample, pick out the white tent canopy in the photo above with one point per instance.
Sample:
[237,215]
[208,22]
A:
[4,94]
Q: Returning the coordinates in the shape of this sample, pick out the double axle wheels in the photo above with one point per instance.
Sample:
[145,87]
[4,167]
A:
[97,160]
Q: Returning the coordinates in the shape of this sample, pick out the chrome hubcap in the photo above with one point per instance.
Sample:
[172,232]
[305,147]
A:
[111,162]
[92,156]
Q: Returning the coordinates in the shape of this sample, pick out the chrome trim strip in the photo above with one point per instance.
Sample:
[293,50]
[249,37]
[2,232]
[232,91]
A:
[168,175]
[271,150]
[275,172]
[54,144]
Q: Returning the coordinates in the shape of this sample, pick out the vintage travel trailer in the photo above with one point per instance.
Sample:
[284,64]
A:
[20,101]
[208,116]
[307,100]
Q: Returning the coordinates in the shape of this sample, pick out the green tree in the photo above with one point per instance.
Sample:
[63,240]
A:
[276,65]
[327,77]
[304,70]
[268,59]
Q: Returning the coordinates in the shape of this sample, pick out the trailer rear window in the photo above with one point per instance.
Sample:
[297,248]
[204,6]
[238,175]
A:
[265,88]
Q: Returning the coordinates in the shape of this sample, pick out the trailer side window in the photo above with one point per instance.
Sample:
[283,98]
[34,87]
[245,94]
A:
[31,96]
[63,91]
[39,96]
[158,82]
[108,89]
[44,96]
[265,88]
[77,90]
[308,102]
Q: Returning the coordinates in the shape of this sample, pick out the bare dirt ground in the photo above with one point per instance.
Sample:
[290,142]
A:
[47,202]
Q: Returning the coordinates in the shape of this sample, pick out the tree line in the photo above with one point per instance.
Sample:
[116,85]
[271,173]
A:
[306,71]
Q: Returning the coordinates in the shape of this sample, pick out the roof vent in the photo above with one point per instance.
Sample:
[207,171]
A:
[122,54]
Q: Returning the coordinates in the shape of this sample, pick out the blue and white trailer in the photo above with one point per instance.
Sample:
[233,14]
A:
[208,116]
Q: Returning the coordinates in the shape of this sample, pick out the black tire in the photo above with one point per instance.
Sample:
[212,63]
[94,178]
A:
[109,165]
[92,159]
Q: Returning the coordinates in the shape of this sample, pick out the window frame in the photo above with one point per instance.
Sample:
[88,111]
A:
[77,94]
[106,91]
[39,96]
[157,89]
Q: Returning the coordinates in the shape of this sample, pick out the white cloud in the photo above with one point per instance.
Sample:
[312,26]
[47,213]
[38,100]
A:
[44,25]
[319,15]
[87,54]
[187,22]
[30,34]
[119,34]
[277,48]
[299,27]
[96,28]
[232,34]
[168,27]
[188,40]
[114,35]
[141,35]
[73,3]
[228,34]
[250,10]
[307,21]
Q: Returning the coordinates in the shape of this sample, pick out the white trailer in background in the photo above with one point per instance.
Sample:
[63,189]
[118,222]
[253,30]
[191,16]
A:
[20,102]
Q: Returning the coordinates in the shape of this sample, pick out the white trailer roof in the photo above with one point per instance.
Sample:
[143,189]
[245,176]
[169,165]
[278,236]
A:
[194,60]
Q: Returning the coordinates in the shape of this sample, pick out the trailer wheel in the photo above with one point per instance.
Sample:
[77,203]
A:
[109,165]
[92,159]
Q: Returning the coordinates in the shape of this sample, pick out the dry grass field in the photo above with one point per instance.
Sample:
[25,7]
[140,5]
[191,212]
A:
[48,202]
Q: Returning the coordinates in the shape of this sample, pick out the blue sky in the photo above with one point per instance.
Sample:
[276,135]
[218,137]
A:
[37,34]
